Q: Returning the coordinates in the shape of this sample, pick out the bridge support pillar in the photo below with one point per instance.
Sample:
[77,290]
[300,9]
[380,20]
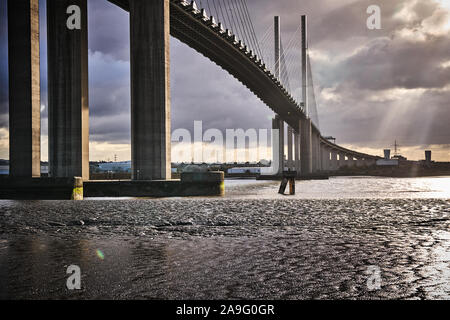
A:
[314,151]
[24,89]
[317,151]
[370,162]
[350,161]
[297,151]
[306,146]
[360,162]
[290,155]
[68,118]
[325,158]
[278,124]
[342,161]
[334,160]
[150,89]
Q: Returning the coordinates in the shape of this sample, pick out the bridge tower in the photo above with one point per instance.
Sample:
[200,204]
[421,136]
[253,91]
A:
[306,152]
[24,88]
[150,89]
[68,97]
[278,123]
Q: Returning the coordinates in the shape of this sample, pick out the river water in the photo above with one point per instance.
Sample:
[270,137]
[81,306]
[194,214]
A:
[323,243]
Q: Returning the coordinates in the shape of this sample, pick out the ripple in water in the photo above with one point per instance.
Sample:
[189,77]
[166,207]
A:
[251,244]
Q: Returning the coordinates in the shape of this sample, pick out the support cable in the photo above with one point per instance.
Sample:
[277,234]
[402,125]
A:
[251,40]
[251,25]
[241,36]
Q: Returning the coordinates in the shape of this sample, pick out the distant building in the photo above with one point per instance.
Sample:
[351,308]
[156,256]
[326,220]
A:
[124,166]
[399,157]
[387,161]
[245,170]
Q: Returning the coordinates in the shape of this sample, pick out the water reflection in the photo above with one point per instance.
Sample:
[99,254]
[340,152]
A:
[275,266]
[348,187]
[35,267]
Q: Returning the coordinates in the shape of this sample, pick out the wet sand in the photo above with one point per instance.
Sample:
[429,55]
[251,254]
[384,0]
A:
[252,244]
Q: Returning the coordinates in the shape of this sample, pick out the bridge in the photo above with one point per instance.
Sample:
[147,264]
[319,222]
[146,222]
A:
[151,25]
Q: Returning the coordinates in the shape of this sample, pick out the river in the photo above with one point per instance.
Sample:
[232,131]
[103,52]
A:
[323,243]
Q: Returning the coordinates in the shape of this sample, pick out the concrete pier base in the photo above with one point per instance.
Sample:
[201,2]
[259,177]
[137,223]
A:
[41,188]
[191,184]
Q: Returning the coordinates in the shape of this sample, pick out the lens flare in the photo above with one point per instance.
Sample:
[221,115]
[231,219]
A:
[100,254]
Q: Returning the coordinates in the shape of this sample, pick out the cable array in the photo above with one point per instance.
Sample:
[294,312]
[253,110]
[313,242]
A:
[235,17]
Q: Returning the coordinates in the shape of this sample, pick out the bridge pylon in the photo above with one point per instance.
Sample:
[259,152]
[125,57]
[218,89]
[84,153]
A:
[150,89]
[24,89]
[68,97]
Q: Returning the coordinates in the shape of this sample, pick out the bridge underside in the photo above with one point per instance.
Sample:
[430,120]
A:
[188,27]
[151,23]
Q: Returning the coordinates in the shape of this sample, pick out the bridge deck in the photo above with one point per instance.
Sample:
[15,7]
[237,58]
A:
[347,151]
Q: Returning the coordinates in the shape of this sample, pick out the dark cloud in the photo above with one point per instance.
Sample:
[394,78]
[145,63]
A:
[389,62]
[109,30]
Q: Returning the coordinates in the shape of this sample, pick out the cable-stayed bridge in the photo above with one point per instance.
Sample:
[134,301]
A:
[278,72]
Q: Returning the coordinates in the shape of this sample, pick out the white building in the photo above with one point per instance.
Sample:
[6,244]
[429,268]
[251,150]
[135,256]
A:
[244,170]
[124,166]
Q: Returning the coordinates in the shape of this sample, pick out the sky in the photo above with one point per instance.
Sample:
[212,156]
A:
[372,86]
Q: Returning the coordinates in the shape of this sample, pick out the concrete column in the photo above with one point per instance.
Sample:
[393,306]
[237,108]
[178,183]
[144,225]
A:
[318,154]
[370,162]
[325,158]
[290,157]
[360,162]
[24,89]
[278,124]
[68,98]
[313,153]
[317,160]
[277,46]
[304,62]
[306,147]
[342,161]
[150,89]
[334,160]
[350,161]
[297,151]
